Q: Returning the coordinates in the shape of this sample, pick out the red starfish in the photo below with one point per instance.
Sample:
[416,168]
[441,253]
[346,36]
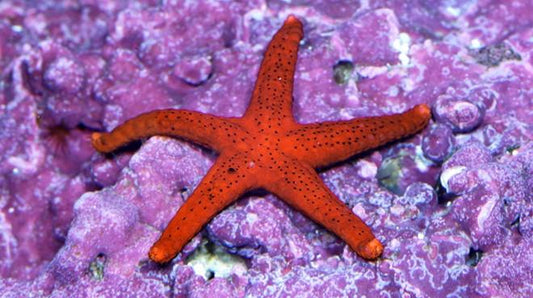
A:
[267,149]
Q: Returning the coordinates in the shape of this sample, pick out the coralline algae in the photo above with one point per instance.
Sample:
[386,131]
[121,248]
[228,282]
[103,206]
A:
[453,205]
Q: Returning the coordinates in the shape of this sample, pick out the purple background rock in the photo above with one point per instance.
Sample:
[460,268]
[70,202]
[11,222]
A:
[453,204]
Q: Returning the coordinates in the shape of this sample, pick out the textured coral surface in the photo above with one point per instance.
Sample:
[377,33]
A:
[453,205]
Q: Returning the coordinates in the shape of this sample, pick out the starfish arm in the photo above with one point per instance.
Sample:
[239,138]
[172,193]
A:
[300,187]
[325,143]
[225,182]
[199,128]
[271,103]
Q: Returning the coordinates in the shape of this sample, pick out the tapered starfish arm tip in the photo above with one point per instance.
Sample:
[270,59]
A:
[96,141]
[292,19]
[160,255]
[370,250]
[423,110]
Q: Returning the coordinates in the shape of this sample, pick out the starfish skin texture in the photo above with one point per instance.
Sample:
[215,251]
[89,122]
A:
[266,148]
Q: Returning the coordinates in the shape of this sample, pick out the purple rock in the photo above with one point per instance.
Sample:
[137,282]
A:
[193,70]
[420,194]
[513,260]
[469,154]
[403,167]
[438,144]
[333,9]
[252,226]
[526,221]
[382,26]
[461,115]
[64,75]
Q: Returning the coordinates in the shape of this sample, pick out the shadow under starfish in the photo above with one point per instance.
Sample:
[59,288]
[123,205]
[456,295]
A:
[266,148]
